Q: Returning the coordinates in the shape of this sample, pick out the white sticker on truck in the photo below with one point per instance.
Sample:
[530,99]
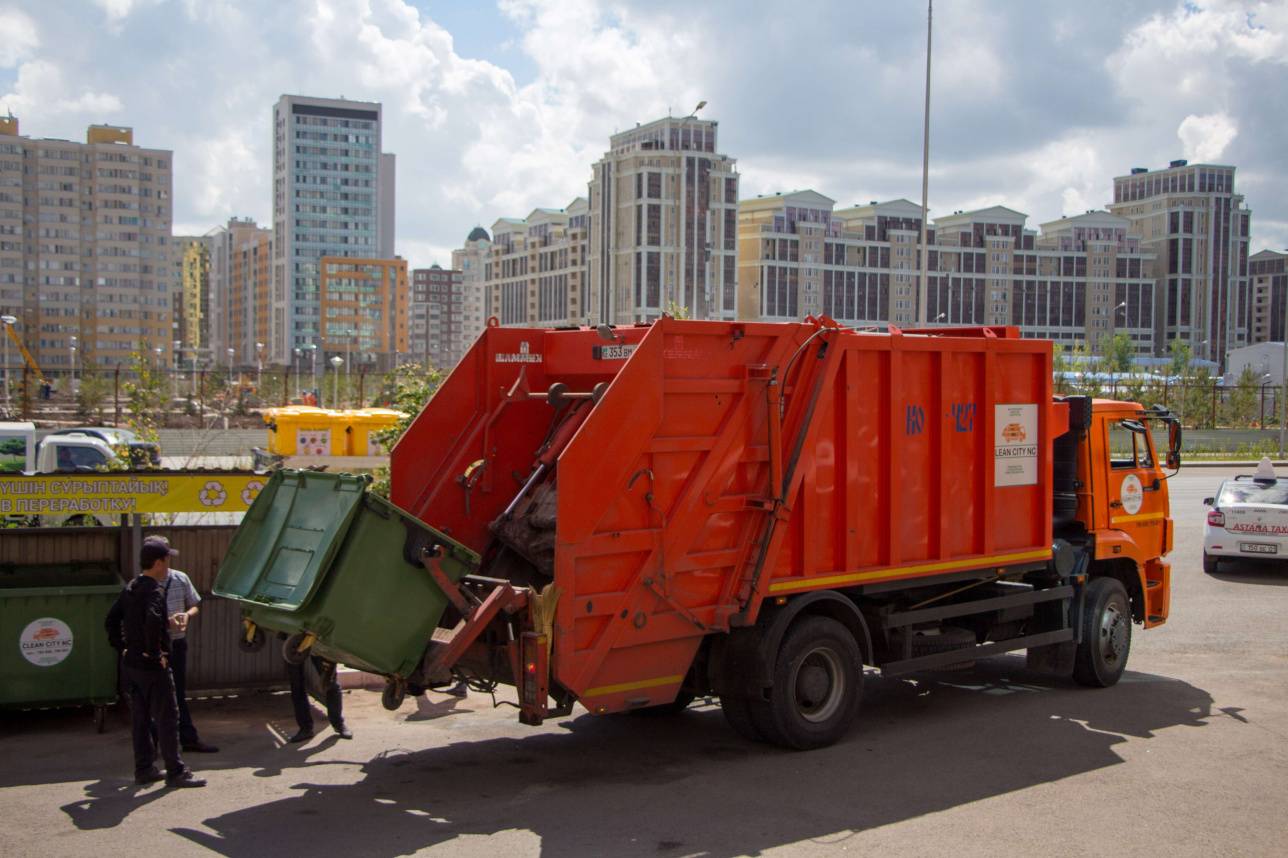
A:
[1015,445]
[46,641]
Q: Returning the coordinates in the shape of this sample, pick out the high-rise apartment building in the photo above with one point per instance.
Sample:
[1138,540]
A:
[365,307]
[190,294]
[1268,272]
[241,265]
[333,195]
[438,316]
[471,261]
[860,266]
[84,245]
[663,225]
[1191,218]
[535,270]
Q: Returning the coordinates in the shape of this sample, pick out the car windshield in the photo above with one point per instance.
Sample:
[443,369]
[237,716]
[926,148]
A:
[1258,492]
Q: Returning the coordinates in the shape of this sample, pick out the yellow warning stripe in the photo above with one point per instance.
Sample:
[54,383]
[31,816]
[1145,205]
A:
[632,686]
[1144,516]
[944,566]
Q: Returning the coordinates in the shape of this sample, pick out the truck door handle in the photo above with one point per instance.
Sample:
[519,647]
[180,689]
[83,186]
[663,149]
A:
[1115,504]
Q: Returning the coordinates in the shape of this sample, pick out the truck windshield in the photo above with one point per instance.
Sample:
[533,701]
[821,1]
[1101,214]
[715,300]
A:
[1260,493]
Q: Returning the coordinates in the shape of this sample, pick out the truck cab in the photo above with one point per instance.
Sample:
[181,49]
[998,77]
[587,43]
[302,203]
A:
[1121,486]
[21,453]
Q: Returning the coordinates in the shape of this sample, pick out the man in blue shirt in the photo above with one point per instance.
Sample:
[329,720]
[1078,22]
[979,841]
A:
[136,627]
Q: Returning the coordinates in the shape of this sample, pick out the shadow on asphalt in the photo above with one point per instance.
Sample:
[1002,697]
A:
[687,784]
[45,736]
[1272,573]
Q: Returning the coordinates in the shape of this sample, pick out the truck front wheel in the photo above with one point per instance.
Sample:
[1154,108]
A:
[1101,658]
[818,686]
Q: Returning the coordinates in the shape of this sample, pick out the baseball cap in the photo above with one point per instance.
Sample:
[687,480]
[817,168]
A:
[154,548]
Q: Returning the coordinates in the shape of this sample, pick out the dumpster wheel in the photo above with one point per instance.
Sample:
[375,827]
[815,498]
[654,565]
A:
[253,639]
[100,717]
[296,647]
[394,694]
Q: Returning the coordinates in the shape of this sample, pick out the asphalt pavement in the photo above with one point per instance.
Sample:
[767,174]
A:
[1186,756]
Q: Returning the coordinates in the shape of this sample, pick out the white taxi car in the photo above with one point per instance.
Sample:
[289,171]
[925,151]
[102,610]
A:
[1248,518]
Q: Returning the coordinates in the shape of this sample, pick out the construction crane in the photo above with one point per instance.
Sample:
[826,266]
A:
[11,330]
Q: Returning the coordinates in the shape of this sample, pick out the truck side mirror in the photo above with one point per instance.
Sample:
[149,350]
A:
[1174,444]
[1209,501]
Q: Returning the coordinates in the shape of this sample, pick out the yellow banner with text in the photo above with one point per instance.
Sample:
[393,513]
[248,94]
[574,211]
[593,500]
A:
[126,493]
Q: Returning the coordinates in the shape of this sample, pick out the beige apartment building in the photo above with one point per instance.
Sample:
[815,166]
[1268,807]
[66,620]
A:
[471,260]
[1082,278]
[663,225]
[535,270]
[1194,222]
[84,245]
[240,305]
[1268,271]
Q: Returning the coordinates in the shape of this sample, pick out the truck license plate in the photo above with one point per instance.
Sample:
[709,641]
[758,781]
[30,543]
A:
[1258,548]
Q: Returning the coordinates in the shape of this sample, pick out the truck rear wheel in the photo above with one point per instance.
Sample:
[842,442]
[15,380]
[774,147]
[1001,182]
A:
[818,686]
[1101,658]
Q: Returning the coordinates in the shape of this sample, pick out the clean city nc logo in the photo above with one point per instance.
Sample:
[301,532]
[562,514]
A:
[46,642]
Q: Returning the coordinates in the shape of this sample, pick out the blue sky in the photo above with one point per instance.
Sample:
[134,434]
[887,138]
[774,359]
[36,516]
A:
[494,109]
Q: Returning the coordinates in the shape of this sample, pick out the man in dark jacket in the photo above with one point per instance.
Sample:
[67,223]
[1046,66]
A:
[137,627]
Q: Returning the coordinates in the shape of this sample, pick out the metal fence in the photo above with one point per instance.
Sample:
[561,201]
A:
[101,393]
[215,661]
[1200,405]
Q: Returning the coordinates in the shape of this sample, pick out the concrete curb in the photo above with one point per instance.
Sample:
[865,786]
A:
[350,678]
[1216,463]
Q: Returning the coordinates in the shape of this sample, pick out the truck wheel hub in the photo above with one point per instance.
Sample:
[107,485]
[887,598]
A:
[819,685]
[1113,633]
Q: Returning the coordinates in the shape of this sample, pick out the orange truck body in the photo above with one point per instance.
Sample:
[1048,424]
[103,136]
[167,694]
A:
[717,471]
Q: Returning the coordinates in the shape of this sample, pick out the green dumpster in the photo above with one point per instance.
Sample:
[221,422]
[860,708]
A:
[317,554]
[54,650]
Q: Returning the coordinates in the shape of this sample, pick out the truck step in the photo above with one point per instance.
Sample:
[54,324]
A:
[1155,618]
[1153,585]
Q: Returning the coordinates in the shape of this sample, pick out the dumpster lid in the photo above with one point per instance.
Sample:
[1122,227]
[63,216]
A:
[288,538]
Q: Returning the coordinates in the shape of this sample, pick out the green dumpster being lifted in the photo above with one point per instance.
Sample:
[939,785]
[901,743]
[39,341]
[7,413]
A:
[55,652]
[337,569]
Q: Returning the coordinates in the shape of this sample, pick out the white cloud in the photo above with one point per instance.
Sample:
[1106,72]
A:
[1034,107]
[41,88]
[20,37]
[1205,138]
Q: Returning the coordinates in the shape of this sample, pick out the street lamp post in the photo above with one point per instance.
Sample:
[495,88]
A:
[296,359]
[336,362]
[259,365]
[71,360]
[231,352]
[8,321]
[313,362]
[177,345]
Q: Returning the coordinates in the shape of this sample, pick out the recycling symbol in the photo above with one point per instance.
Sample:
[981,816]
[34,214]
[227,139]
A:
[212,494]
[252,490]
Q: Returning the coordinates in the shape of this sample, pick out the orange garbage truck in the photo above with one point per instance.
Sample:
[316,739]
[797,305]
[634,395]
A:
[630,517]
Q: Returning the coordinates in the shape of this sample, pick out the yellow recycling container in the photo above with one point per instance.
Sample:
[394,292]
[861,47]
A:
[302,430]
[364,423]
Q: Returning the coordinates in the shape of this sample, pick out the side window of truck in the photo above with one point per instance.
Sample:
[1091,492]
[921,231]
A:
[1122,446]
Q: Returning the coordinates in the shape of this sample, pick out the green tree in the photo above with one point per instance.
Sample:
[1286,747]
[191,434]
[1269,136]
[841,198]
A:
[1061,369]
[1197,399]
[1241,407]
[94,387]
[407,389]
[146,395]
[1117,353]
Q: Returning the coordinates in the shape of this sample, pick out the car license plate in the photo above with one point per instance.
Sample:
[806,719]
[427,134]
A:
[1258,548]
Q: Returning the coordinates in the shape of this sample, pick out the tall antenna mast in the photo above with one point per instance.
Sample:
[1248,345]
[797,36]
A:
[923,283]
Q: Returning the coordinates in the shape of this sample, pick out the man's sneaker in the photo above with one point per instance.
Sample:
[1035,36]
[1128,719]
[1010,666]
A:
[184,780]
[151,776]
[200,748]
[301,736]
[343,732]
[460,689]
